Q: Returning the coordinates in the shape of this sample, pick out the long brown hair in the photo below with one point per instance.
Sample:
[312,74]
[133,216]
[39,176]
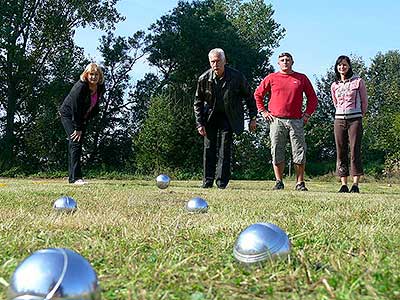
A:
[349,72]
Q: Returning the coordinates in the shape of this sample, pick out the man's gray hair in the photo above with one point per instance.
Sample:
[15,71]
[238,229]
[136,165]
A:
[219,52]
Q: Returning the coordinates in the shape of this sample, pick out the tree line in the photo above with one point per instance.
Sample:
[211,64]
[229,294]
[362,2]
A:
[146,127]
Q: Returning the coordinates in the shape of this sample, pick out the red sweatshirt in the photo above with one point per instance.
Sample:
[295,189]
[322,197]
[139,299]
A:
[286,95]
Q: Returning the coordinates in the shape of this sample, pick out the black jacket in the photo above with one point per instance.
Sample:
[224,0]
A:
[77,103]
[234,91]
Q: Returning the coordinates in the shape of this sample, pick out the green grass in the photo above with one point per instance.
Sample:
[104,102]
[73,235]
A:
[144,245]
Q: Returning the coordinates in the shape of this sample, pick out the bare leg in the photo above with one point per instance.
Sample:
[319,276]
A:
[278,170]
[354,188]
[299,172]
[343,188]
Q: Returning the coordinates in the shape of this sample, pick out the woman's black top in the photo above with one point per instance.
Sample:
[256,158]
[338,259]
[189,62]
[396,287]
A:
[77,104]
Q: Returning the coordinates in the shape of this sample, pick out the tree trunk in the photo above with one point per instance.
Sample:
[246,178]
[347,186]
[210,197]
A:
[7,159]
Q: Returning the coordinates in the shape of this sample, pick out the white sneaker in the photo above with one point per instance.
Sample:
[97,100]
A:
[80,182]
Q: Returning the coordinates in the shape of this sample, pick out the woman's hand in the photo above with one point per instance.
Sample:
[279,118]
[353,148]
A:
[202,130]
[76,135]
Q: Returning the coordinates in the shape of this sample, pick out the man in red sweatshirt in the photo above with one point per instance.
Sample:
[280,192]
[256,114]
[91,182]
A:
[286,116]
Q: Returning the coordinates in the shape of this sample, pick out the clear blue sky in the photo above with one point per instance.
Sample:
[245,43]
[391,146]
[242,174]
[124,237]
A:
[317,31]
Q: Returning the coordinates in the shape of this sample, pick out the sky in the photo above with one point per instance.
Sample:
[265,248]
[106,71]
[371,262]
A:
[317,31]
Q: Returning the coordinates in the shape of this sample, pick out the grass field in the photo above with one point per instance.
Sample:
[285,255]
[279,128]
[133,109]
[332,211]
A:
[144,245]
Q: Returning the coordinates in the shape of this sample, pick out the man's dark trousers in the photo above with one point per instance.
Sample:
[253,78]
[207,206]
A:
[74,152]
[217,151]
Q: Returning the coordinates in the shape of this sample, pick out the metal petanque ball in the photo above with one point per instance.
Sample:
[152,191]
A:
[54,273]
[65,204]
[261,241]
[163,181]
[197,205]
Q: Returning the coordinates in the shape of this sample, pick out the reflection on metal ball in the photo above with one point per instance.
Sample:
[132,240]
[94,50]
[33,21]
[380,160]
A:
[54,273]
[163,181]
[261,241]
[65,204]
[197,205]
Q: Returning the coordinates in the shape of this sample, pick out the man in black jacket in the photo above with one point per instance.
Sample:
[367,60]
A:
[219,112]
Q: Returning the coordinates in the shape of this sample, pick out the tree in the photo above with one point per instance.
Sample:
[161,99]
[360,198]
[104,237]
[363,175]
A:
[252,155]
[179,46]
[180,41]
[34,38]
[383,118]
[141,98]
[166,142]
[109,142]
[255,25]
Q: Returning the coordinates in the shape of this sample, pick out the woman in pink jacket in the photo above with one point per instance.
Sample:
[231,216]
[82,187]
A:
[350,99]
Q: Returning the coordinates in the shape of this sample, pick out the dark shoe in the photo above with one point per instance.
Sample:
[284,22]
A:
[221,184]
[207,184]
[301,186]
[278,185]
[354,189]
[343,189]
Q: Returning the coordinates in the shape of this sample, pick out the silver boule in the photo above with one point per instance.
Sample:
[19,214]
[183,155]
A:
[54,273]
[261,241]
[65,204]
[197,205]
[163,181]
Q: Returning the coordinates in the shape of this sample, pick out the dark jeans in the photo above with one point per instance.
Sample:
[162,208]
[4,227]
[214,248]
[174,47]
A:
[217,151]
[348,133]
[74,152]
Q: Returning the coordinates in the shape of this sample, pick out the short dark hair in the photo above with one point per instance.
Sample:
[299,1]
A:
[349,72]
[285,54]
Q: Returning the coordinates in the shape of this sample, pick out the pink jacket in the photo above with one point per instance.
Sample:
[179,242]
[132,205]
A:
[350,98]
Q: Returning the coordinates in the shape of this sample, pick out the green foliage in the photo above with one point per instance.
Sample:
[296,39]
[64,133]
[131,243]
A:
[254,23]
[382,130]
[166,142]
[179,46]
[36,39]
[252,156]
[319,131]
[140,97]
[153,146]
[180,41]
[40,63]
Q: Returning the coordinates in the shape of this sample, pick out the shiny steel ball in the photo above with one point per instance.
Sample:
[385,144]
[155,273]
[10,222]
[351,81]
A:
[197,205]
[163,181]
[261,241]
[54,273]
[65,204]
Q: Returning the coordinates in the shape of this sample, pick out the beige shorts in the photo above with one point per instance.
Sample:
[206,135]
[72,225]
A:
[279,131]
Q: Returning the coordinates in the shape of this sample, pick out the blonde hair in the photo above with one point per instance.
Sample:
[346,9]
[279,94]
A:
[92,67]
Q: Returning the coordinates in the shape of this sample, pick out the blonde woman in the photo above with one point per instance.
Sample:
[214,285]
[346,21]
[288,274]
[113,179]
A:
[81,104]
